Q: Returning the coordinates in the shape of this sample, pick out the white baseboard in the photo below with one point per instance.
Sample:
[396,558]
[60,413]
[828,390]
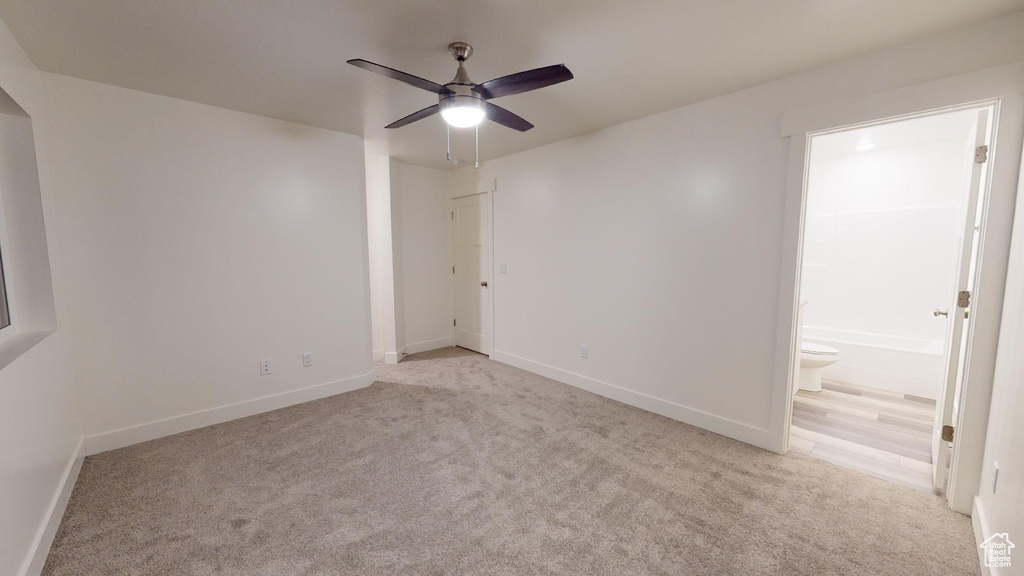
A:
[378,355]
[428,345]
[48,530]
[736,430]
[416,348]
[981,534]
[174,425]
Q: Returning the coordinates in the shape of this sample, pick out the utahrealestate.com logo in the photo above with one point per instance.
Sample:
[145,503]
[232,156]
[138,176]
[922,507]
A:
[997,550]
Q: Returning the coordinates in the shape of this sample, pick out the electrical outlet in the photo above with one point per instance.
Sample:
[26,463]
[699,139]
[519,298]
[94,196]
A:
[265,367]
[995,476]
[584,351]
[502,268]
[307,359]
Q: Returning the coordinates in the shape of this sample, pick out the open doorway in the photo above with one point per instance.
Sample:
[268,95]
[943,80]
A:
[889,249]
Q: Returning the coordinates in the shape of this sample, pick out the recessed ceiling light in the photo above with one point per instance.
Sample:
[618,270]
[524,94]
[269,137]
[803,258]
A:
[865,146]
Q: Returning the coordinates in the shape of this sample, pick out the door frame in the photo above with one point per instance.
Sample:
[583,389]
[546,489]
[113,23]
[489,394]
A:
[488,320]
[997,88]
[967,263]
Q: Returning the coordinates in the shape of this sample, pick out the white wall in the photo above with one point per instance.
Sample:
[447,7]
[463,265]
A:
[39,439]
[26,262]
[187,243]
[378,207]
[410,269]
[398,259]
[881,241]
[658,242]
[39,425]
[1000,508]
[426,259]
[200,241]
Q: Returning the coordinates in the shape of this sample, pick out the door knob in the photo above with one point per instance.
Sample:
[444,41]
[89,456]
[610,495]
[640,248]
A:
[938,312]
[484,284]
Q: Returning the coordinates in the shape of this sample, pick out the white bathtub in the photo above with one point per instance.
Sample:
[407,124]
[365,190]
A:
[905,365]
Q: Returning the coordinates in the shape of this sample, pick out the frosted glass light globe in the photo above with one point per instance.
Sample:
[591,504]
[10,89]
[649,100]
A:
[463,116]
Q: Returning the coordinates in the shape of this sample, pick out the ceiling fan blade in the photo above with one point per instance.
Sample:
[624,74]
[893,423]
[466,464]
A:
[498,114]
[400,76]
[418,115]
[523,81]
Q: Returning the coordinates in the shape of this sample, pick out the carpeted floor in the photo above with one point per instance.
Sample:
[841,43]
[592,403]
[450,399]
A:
[454,464]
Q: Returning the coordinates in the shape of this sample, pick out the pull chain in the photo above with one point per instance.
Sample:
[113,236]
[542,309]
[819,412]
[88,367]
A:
[448,139]
[476,129]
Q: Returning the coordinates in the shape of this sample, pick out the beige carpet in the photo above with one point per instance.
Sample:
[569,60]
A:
[453,464]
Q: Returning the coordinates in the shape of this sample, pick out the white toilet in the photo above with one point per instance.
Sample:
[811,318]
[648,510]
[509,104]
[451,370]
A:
[814,357]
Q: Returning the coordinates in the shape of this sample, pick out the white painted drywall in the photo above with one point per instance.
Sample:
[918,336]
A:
[383,229]
[23,239]
[881,240]
[657,242]
[39,436]
[187,243]
[199,241]
[394,194]
[426,261]
[410,261]
[379,251]
[39,425]
[1001,505]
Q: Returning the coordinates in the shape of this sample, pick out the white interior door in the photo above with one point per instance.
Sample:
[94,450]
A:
[471,218]
[944,413]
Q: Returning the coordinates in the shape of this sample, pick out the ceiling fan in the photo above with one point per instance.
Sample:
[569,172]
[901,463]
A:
[463,103]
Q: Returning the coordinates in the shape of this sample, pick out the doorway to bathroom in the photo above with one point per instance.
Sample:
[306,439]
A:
[888,260]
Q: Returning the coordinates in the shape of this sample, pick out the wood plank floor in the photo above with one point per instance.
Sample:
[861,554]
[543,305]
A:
[881,433]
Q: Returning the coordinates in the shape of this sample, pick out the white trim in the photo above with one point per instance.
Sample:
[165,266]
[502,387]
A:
[981,534]
[975,397]
[55,513]
[719,425]
[482,188]
[158,429]
[378,355]
[785,367]
[417,347]
[489,329]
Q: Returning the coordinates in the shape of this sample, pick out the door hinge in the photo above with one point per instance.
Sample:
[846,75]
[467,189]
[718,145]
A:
[980,154]
[453,269]
[947,433]
[453,215]
[453,322]
[963,299]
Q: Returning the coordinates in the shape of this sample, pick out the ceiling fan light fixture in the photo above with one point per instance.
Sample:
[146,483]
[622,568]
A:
[462,111]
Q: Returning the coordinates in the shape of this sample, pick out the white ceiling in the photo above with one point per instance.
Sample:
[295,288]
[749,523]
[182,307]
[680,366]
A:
[286,59]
